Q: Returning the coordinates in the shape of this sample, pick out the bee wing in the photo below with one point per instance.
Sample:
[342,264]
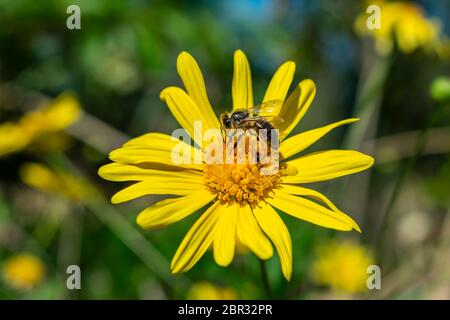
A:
[271,119]
[275,121]
[267,109]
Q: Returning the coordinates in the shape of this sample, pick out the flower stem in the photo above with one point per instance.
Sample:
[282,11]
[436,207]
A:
[399,183]
[132,238]
[373,75]
[265,279]
[367,105]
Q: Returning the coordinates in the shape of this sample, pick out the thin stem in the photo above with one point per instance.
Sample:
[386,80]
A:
[404,144]
[132,238]
[373,76]
[399,183]
[265,279]
[367,104]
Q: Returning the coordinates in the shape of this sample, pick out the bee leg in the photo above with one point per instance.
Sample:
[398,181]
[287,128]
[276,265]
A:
[230,136]
[224,133]
[238,140]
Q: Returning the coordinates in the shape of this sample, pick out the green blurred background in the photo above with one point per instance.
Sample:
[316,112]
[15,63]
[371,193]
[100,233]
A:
[125,54]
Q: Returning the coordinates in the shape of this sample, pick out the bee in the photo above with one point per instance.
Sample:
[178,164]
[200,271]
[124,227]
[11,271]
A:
[259,117]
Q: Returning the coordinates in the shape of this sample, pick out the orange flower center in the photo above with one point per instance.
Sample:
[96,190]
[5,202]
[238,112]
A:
[241,182]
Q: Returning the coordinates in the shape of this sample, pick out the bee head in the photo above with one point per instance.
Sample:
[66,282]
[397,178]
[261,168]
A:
[225,120]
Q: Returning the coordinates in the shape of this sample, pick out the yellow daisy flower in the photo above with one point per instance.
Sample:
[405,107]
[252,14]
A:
[209,291]
[240,202]
[406,23]
[39,125]
[23,271]
[42,178]
[342,266]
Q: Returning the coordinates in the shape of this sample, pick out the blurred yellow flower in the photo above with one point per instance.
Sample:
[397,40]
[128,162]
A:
[403,22]
[12,138]
[209,291]
[23,271]
[342,266]
[240,201]
[39,125]
[60,183]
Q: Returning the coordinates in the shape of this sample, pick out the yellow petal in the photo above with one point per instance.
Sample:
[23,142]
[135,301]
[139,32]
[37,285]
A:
[251,235]
[57,115]
[280,83]
[326,165]
[301,141]
[153,139]
[143,155]
[169,211]
[242,82]
[224,240]
[274,227]
[192,77]
[13,138]
[160,185]
[126,172]
[295,106]
[40,177]
[312,211]
[186,112]
[197,240]
[157,148]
